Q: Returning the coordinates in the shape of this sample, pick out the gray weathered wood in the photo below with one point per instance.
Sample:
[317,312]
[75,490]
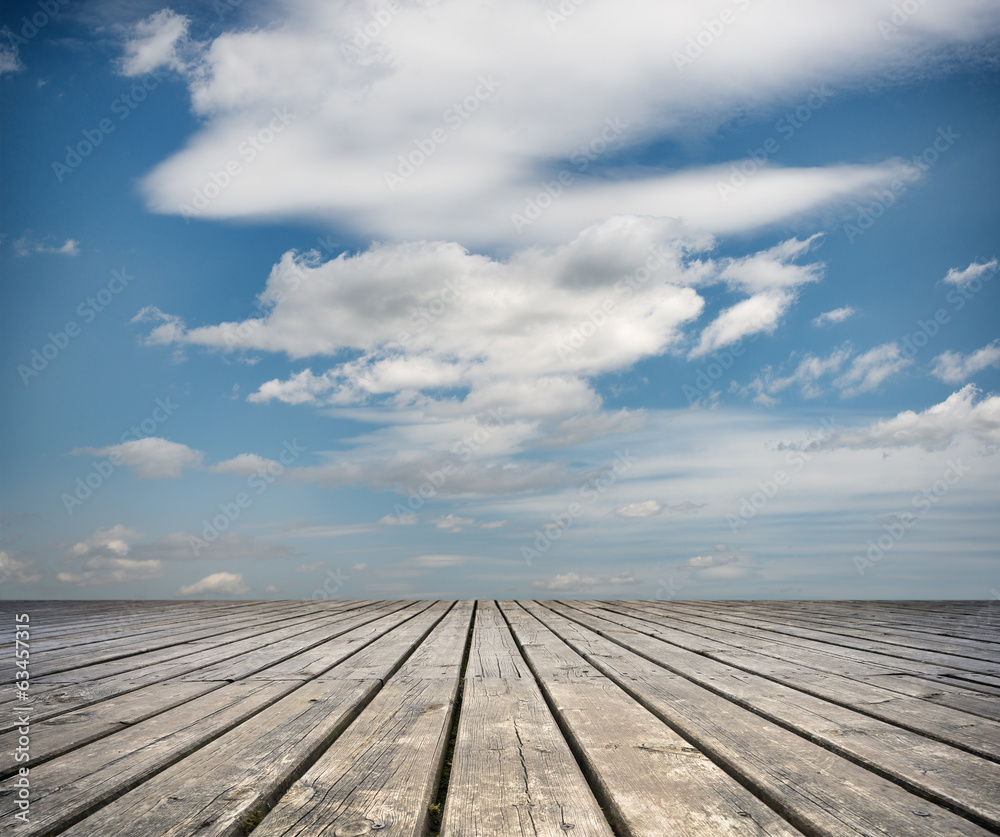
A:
[513,773]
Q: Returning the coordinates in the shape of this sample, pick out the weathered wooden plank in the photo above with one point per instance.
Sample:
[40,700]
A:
[74,729]
[649,780]
[382,772]
[69,786]
[816,790]
[117,678]
[919,678]
[976,625]
[214,790]
[878,640]
[214,628]
[953,778]
[286,649]
[512,771]
[91,664]
[831,654]
[493,652]
[822,678]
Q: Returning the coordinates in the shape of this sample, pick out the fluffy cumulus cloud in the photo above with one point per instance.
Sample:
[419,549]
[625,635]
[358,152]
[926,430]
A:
[363,131]
[481,358]
[216,584]
[955,368]
[150,458]
[935,428]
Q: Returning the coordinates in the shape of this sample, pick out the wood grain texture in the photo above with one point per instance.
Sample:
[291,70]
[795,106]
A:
[624,718]
[513,772]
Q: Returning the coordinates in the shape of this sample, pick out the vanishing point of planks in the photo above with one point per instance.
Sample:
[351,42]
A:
[489,719]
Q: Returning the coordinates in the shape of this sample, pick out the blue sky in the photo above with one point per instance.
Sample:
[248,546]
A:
[522,299]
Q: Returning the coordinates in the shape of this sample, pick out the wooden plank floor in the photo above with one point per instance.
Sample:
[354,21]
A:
[509,718]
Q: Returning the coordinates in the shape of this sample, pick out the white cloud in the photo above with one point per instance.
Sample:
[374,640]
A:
[108,557]
[807,376]
[645,508]
[451,523]
[13,571]
[716,567]
[770,277]
[120,542]
[217,584]
[437,561]
[246,465]
[569,582]
[158,41]
[9,61]
[973,271]
[357,114]
[319,566]
[955,368]
[408,519]
[933,429]
[475,358]
[26,246]
[114,541]
[702,561]
[868,371]
[150,458]
[101,571]
[837,315]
